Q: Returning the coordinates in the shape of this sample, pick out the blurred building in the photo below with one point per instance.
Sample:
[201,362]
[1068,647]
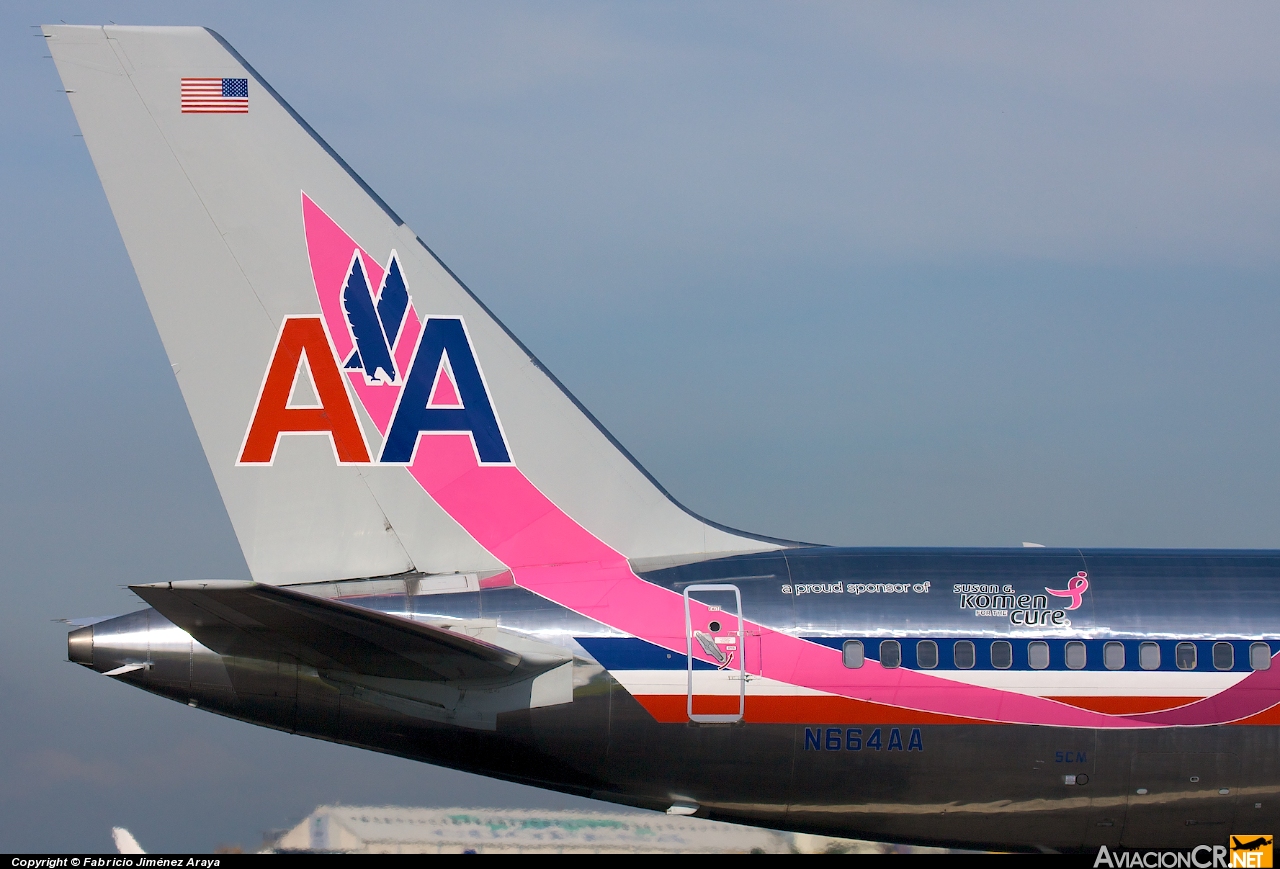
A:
[397,830]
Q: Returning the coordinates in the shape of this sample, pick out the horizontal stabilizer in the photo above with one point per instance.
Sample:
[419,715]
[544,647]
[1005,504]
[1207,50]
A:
[127,668]
[252,620]
[85,621]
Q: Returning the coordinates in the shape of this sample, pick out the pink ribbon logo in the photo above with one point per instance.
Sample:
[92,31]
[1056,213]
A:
[1076,588]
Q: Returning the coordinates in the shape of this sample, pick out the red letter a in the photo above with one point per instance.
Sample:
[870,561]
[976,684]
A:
[303,337]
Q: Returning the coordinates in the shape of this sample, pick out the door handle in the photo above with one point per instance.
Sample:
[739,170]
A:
[709,646]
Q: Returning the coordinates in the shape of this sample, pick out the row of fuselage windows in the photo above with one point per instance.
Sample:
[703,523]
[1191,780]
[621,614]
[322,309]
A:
[1075,655]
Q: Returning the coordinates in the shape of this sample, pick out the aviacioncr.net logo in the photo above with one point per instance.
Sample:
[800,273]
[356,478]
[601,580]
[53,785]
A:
[1241,852]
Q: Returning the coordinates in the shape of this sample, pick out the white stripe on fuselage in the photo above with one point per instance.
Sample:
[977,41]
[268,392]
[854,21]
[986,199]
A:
[1054,683]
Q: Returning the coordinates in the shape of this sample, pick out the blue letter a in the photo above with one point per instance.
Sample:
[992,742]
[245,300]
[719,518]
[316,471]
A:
[444,337]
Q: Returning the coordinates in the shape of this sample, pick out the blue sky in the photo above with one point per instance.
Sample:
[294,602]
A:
[870,274]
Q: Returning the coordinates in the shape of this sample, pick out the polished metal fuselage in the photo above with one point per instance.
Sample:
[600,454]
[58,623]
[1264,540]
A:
[970,785]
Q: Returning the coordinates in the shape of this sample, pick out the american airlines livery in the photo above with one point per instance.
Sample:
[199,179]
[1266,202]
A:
[454,562]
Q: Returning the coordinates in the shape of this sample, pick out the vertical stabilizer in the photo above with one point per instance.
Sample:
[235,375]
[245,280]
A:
[321,348]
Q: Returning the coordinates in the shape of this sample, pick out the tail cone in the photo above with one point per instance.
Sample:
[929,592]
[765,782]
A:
[80,646]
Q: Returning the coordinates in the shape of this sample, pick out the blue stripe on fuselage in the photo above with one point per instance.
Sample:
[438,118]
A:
[631,653]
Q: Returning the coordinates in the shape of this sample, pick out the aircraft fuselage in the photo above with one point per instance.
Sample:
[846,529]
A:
[633,727]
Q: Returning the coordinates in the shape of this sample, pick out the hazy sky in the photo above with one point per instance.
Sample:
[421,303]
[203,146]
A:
[939,274]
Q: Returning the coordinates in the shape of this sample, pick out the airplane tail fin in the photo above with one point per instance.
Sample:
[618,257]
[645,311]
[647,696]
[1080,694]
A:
[362,412]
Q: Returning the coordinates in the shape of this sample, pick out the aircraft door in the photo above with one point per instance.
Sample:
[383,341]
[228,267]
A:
[716,653]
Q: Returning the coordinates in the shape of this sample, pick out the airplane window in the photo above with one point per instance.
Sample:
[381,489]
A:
[890,654]
[714,627]
[1113,656]
[963,653]
[927,654]
[1149,656]
[1075,654]
[1038,655]
[1001,655]
[1186,656]
[853,654]
[1224,656]
[1260,656]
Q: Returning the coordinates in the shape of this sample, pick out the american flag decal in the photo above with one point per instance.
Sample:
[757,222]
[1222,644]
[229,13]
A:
[215,96]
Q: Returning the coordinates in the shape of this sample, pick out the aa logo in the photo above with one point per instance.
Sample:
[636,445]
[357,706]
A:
[412,377]
[1253,852]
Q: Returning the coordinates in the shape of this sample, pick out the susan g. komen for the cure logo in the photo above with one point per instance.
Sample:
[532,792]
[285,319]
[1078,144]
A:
[412,377]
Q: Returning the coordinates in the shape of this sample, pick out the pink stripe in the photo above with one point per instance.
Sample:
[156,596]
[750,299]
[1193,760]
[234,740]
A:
[329,249]
[553,556]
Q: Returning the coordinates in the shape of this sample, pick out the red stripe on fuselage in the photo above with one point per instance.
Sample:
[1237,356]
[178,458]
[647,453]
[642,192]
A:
[673,709]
